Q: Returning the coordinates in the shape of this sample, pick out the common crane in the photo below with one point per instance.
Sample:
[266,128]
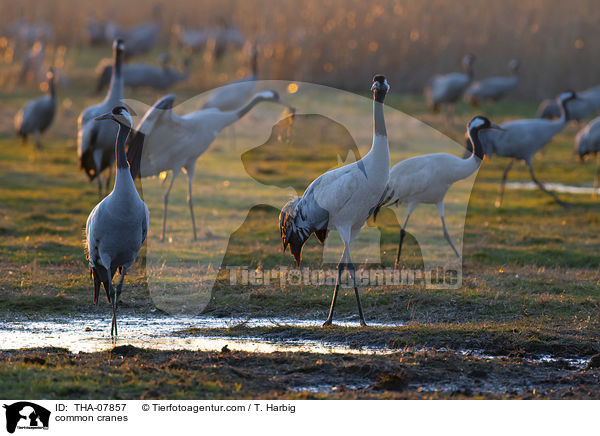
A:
[117,227]
[342,199]
[426,179]
[95,138]
[37,115]
[170,142]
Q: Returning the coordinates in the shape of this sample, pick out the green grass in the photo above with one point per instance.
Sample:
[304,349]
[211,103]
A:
[530,279]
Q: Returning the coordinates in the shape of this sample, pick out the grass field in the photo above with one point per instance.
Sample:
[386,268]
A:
[530,269]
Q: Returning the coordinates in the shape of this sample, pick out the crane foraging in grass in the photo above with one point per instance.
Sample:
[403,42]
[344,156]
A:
[448,88]
[342,199]
[426,179]
[587,142]
[95,138]
[522,139]
[585,106]
[117,227]
[494,88]
[38,114]
[165,141]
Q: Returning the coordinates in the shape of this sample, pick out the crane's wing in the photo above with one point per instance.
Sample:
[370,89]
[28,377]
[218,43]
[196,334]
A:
[159,112]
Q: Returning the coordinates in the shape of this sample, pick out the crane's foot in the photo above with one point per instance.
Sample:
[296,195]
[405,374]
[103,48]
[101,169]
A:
[328,322]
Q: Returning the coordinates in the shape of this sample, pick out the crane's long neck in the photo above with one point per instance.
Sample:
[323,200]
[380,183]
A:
[52,88]
[255,65]
[466,167]
[564,113]
[247,108]
[116,82]
[123,181]
[378,158]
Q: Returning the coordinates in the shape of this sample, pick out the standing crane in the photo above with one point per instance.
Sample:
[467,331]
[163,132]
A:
[448,88]
[37,115]
[117,227]
[427,179]
[95,138]
[587,142]
[494,88]
[342,199]
[522,139]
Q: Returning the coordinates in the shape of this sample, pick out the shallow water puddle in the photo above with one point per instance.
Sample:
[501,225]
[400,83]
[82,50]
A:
[92,333]
[556,187]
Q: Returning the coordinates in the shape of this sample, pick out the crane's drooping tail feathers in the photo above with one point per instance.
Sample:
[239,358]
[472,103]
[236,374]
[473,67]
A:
[387,199]
[295,235]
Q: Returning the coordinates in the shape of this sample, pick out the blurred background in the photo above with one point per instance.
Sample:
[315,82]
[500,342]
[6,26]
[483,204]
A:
[333,42]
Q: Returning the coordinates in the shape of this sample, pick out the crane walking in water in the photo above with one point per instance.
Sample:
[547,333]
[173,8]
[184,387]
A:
[117,227]
[342,199]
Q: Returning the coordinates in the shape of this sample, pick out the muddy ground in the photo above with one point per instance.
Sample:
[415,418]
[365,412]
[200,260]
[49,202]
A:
[127,372]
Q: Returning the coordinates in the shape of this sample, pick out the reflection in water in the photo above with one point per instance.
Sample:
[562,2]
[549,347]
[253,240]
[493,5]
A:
[89,334]
[556,187]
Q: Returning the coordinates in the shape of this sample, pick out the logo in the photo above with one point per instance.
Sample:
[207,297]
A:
[26,415]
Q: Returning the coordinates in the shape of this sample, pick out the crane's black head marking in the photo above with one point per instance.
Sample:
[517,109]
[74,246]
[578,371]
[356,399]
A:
[380,87]
[270,95]
[479,122]
[119,45]
[567,95]
[119,114]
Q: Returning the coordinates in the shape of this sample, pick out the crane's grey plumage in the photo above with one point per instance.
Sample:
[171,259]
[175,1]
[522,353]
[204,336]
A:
[141,38]
[426,179]
[448,88]
[585,106]
[32,64]
[587,142]
[342,200]
[141,75]
[216,40]
[117,227]
[95,138]
[494,88]
[522,139]
[233,95]
[165,141]
[38,114]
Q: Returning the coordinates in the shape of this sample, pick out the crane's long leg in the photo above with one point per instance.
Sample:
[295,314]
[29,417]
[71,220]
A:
[503,182]
[352,270]
[594,193]
[440,207]
[113,302]
[120,285]
[38,140]
[543,188]
[411,208]
[166,202]
[341,266]
[190,173]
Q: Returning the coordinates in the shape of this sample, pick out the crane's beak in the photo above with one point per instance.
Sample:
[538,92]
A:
[107,116]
